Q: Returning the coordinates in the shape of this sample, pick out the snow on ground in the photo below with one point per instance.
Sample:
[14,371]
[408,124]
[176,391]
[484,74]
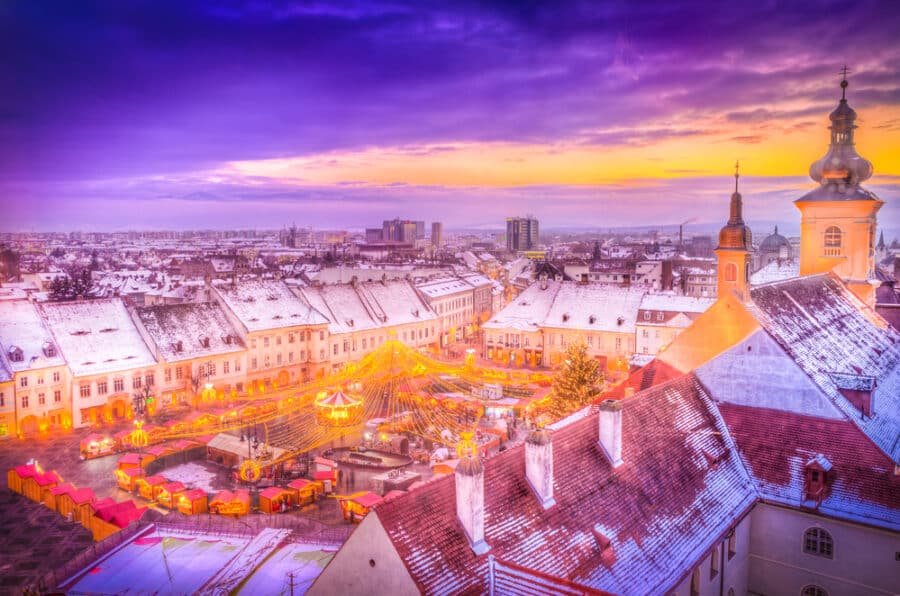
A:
[305,561]
[192,474]
[161,564]
[251,556]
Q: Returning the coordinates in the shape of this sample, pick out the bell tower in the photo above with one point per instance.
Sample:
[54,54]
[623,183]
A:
[733,251]
[838,219]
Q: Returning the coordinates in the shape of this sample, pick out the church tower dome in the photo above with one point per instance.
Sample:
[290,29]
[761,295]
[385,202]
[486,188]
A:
[838,217]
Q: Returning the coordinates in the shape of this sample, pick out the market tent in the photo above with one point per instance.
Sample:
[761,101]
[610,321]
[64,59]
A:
[356,506]
[168,494]
[271,499]
[149,487]
[192,502]
[113,518]
[231,503]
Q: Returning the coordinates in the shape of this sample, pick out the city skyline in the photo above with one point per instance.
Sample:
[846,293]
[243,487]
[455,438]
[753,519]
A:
[235,116]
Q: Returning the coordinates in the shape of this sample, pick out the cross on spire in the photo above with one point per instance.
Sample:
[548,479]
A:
[737,174]
[844,72]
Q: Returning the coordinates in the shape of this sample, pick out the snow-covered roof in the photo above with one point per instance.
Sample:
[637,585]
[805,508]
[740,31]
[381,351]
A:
[673,303]
[21,328]
[261,305]
[343,305]
[440,288]
[776,271]
[185,331]
[829,333]
[571,305]
[97,336]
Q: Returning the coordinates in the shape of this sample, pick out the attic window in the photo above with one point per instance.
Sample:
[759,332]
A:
[15,354]
[107,329]
[277,317]
[204,341]
[565,317]
[620,321]
[227,339]
[253,319]
[817,476]
[415,312]
[80,332]
[49,349]
[271,297]
[592,319]
[178,346]
[349,322]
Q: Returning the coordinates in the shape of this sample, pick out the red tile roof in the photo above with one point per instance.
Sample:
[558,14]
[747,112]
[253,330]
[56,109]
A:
[81,495]
[654,373]
[678,490]
[775,445]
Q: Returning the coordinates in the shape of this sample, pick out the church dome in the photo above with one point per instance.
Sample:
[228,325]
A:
[774,242]
[842,169]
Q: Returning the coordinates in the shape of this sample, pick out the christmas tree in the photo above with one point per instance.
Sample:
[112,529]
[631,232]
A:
[578,381]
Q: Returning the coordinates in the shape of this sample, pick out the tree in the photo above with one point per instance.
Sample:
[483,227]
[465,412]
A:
[578,381]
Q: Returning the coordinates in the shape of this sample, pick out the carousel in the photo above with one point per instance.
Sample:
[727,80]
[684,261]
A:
[338,410]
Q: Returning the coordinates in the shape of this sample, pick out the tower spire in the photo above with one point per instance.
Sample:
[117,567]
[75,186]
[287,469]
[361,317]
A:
[844,72]
[737,174]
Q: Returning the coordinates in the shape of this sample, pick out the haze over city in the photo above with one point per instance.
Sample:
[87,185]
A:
[165,115]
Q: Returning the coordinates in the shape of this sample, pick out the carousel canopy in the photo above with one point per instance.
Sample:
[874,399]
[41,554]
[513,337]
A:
[338,399]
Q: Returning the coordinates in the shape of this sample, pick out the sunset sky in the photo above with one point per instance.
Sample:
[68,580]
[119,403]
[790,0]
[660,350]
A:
[172,114]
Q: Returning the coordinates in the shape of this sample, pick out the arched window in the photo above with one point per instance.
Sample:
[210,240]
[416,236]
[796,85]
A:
[813,590]
[817,541]
[730,272]
[833,237]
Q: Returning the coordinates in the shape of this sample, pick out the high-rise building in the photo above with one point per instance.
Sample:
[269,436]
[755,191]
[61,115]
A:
[521,233]
[402,230]
[437,234]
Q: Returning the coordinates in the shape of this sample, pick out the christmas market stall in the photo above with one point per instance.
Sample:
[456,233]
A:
[34,487]
[305,491]
[275,499]
[168,494]
[15,477]
[192,502]
[134,460]
[114,518]
[355,507]
[97,445]
[150,486]
[75,504]
[228,502]
[54,495]
[126,478]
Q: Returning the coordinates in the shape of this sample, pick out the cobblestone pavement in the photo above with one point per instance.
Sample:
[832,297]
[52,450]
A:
[33,540]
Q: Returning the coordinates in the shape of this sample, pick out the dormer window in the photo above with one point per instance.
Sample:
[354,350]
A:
[15,354]
[49,349]
[816,481]
[620,321]
[565,317]
[178,346]
[592,319]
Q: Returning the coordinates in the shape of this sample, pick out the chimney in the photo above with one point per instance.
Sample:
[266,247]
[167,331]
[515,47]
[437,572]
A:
[610,426]
[539,466]
[470,501]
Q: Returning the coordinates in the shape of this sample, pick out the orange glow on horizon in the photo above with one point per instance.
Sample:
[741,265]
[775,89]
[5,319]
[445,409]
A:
[776,149]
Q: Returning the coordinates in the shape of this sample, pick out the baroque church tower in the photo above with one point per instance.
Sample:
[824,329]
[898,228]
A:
[733,251]
[838,219]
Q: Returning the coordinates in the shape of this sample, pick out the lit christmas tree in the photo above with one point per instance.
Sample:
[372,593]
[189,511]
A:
[578,381]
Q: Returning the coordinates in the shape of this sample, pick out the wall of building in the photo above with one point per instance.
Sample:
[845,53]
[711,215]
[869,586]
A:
[733,567]
[366,561]
[864,560]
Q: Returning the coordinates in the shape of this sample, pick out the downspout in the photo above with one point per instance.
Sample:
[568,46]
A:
[722,547]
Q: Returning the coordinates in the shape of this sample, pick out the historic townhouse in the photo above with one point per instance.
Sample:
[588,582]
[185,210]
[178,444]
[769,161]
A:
[453,300]
[362,315]
[286,338]
[36,393]
[201,355]
[107,358]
